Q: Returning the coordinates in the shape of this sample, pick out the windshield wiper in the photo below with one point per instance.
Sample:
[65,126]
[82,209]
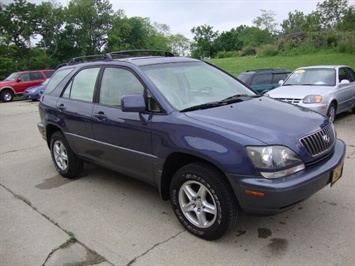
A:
[203,106]
[239,97]
[232,99]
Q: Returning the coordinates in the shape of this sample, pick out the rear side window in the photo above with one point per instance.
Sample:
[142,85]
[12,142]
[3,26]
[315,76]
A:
[56,79]
[262,79]
[48,74]
[279,76]
[35,76]
[82,85]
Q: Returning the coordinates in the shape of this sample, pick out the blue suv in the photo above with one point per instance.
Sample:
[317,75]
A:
[190,129]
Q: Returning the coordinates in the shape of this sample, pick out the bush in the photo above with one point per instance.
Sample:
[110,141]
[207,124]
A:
[268,50]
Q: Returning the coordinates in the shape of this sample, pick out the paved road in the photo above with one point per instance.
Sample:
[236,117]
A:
[108,219]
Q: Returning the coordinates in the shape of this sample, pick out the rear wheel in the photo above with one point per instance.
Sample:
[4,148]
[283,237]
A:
[331,112]
[7,95]
[202,201]
[65,161]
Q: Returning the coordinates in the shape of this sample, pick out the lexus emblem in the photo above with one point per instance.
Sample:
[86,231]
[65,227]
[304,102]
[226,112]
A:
[326,138]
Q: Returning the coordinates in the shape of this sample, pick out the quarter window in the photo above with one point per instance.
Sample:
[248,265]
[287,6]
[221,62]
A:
[83,85]
[262,79]
[56,79]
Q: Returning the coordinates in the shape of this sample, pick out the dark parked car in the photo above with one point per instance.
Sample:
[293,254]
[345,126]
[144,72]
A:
[34,93]
[262,80]
[193,131]
[18,82]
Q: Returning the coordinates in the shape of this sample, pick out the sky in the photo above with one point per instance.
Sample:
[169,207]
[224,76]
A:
[223,15]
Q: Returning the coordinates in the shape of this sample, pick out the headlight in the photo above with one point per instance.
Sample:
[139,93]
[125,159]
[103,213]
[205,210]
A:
[312,99]
[275,161]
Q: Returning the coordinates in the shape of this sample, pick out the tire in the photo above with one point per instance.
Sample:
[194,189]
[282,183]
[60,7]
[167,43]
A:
[65,161]
[332,110]
[353,110]
[202,201]
[7,95]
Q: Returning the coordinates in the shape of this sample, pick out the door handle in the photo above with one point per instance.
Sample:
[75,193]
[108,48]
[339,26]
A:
[61,107]
[100,115]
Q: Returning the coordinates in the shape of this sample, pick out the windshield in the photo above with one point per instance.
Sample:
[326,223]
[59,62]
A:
[11,77]
[312,76]
[185,85]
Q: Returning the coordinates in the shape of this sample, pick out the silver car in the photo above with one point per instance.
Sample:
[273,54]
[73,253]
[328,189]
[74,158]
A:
[328,89]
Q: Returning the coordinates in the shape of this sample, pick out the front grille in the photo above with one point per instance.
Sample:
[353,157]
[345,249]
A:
[320,141]
[289,100]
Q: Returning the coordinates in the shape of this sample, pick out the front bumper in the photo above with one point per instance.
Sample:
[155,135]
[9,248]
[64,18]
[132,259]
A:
[283,193]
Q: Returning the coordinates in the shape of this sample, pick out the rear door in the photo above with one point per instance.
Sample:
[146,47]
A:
[75,110]
[345,93]
[123,142]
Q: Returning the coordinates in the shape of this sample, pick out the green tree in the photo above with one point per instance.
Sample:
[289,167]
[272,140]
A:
[49,18]
[331,12]
[89,21]
[179,44]
[228,41]
[266,21]
[348,22]
[204,38]
[17,24]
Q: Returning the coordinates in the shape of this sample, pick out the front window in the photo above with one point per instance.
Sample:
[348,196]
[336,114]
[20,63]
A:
[185,85]
[312,76]
[13,76]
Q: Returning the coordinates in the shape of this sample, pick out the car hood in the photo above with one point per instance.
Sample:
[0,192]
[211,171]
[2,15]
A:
[7,83]
[298,91]
[264,119]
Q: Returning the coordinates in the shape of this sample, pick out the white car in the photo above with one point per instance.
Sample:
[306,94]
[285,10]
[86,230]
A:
[328,89]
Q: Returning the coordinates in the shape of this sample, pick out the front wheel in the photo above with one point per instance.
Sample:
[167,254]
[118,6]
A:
[331,112]
[7,95]
[202,201]
[64,159]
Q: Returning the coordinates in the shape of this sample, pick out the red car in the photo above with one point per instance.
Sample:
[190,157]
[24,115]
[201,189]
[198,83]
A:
[18,82]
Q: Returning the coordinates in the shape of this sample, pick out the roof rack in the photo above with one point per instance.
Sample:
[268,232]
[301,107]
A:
[265,69]
[137,53]
[119,55]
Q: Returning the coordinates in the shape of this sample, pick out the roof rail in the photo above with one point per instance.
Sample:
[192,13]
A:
[118,54]
[88,58]
[136,53]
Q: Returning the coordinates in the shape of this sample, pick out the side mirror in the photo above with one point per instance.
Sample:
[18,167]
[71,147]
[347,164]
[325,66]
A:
[133,103]
[344,81]
[19,79]
[281,82]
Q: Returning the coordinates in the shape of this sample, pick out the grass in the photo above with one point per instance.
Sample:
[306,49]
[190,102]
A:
[237,65]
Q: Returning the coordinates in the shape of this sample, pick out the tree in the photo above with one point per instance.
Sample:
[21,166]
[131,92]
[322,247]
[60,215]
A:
[49,18]
[228,41]
[17,25]
[348,22]
[266,21]
[331,12]
[204,38]
[89,21]
[179,44]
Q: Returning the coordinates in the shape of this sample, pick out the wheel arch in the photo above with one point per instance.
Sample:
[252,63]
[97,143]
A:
[8,88]
[177,160]
[50,130]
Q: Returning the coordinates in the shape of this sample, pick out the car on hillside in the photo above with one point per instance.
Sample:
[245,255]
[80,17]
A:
[262,80]
[190,129]
[34,93]
[18,82]
[326,89]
